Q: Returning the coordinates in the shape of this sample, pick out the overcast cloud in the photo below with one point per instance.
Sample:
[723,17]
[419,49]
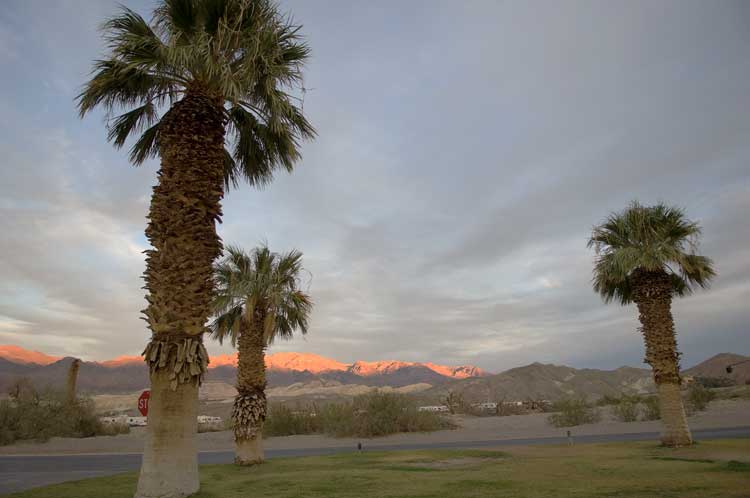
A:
[465,151]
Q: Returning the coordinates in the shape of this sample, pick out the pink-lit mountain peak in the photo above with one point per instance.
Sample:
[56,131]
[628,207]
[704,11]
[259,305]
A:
[367,368]
[18,354]
[313,363]
[282,361]
[121,361]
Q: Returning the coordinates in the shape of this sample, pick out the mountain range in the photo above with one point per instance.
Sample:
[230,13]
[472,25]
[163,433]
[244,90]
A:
[128,373]
[552,382]
[293,374]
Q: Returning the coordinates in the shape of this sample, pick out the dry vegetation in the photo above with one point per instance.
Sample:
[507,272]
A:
[369,415]
[29,414]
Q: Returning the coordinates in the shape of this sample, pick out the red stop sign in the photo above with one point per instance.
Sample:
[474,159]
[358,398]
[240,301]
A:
[143,403]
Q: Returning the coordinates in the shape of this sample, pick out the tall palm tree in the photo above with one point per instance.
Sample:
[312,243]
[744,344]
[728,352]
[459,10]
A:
[258,300]
[207,86]
[646,255]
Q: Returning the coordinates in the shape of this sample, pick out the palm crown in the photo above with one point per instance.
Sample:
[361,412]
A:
[649,239]
[241,53]
[260,284]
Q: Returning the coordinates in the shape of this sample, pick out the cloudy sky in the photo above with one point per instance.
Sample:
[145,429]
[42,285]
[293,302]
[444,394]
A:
[465,151]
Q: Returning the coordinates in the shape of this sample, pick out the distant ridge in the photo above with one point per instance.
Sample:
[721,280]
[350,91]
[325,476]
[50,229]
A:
[127,373]
[18,354]
[716,366]
[306,372]
[552,382]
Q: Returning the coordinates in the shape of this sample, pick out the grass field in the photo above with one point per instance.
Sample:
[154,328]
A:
[710,469]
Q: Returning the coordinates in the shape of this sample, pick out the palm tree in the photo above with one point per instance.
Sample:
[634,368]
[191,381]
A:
[258,300]
[646,255]
[205,86]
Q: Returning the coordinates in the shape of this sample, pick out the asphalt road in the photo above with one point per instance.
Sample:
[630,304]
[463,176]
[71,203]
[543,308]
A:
[18,473]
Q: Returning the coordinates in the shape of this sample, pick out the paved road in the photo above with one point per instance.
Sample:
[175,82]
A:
[18,473]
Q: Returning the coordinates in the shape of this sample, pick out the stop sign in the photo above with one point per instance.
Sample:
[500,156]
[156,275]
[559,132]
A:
[143,403]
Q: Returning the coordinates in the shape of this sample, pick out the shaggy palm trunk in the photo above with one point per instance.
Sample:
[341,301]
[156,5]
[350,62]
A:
[652,292]
[249,411]
[70,391]
[182,231]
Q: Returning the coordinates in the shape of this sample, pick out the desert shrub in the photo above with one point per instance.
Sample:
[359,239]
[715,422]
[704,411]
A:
[608,400]
[338,419]
[114,428]
[626,410]
[712,382]
[30,414]
[456,403]
[734,392]
[368,415]
[651,408]
[378,414]
[699,397]
[507,409]
[281,421]
[573,411]
[211,427]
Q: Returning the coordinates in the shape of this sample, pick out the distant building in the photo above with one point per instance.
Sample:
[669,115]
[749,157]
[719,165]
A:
[207,419]
[433,408]
[143,421]
[137,421]
[488,405]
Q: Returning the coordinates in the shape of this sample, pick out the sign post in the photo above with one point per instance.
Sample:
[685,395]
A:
[143,403]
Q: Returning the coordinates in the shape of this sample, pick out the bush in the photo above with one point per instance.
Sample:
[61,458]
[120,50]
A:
[211,427]
[699,397]
[114,428]
[572,412]
[281,421]
[626,410]
[608,400]
[378,414]
[29,414]
[710,382]
[651,408]
[368,415]
[455,403]
[505,409]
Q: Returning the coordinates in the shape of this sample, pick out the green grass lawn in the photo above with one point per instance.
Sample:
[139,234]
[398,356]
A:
[710,469]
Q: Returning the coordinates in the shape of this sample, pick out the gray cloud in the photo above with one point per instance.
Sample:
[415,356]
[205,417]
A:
[465,152]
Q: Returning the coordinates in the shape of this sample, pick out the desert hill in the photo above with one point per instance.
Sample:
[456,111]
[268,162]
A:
[546,381]
[716,367]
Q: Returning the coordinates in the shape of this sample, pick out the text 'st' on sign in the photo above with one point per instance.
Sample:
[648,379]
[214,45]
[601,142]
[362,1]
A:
[143,403]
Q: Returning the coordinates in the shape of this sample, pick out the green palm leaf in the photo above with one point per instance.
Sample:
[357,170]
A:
[244,53]
[649,238]
[260,284]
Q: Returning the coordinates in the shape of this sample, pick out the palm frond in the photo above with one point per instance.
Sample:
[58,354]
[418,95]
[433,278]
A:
[146,147]
[656,238]
[260,284]
[241,52]
[130,122]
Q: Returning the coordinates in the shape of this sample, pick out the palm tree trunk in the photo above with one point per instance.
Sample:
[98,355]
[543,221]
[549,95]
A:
[70,391]
[182,231]
[652,292]
[249,411]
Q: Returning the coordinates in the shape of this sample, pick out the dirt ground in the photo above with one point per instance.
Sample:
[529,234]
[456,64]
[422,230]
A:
[720,414]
